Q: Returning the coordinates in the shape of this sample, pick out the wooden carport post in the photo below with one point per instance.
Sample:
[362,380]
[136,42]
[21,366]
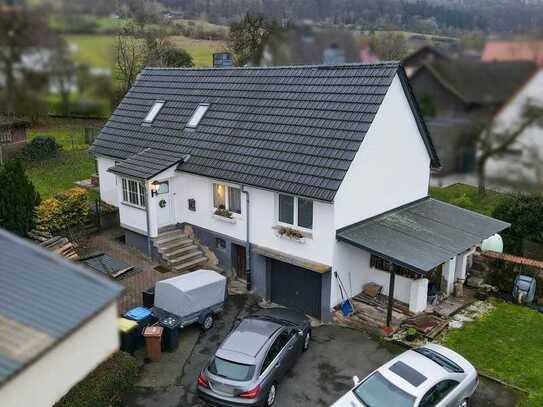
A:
[391,294]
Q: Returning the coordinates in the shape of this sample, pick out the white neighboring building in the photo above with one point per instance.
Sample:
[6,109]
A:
[521,166]
[57,323]
[329,155]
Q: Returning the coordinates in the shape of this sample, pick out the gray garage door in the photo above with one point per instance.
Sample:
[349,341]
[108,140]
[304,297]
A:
[296,287]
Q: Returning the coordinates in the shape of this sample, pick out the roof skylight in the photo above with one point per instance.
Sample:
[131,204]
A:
[154,111]
[197,115]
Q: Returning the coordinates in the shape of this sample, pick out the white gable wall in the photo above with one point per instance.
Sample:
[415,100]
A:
[526,167]
[108,186]
[391,168]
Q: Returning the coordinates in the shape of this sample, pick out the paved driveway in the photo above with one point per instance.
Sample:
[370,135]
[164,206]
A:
[319,378]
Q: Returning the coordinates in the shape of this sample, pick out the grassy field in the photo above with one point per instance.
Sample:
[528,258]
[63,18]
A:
[94,50]
[506,344]
[466,196]
[97,50]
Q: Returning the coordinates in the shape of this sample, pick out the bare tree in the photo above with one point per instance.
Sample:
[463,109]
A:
[130,55]
[493,141]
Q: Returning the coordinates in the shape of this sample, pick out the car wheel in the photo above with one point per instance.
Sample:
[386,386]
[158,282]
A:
[307,340]
[208,322]
[272,393]
[464,403]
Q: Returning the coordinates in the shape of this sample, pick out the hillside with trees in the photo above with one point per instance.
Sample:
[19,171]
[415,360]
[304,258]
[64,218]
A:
[428,16]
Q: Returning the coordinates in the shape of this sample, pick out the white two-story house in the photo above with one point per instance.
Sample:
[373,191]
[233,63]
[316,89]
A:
[293,176]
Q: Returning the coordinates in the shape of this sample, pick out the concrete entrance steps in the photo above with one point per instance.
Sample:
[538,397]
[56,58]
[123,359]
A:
[178,251]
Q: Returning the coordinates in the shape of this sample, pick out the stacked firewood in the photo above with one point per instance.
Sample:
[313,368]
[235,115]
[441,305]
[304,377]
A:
[57,244]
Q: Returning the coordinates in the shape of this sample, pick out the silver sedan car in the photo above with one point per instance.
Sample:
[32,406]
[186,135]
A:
[248,366]
[429,376]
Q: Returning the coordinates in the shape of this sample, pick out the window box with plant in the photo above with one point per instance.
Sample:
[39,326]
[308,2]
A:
[285,232]
[226,202]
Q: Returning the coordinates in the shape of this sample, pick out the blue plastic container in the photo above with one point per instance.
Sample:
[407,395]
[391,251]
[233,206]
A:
[138,314]
[346,308]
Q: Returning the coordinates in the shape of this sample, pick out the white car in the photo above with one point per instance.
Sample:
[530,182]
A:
[429,376]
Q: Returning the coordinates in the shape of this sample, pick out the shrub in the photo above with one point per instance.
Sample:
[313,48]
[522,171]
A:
[41,148]
[18,199]
[525,213]
[63,211]
[104,386]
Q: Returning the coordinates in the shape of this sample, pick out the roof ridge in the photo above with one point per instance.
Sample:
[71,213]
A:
[279,67]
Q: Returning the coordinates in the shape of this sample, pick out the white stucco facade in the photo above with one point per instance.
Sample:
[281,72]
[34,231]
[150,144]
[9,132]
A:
[44,382]
[522,165]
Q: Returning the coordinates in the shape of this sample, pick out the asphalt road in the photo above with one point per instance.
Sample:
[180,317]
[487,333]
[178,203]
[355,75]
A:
[320,377]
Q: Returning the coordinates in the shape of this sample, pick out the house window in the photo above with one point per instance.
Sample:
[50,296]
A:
[133,192]
[381,264]
[154,111]
[197,115]
[234,200]
[295,211]
[227,198]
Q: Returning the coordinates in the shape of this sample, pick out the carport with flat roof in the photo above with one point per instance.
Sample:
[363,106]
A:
[421,235]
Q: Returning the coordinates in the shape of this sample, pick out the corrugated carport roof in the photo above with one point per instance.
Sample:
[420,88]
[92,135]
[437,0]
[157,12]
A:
[421,235]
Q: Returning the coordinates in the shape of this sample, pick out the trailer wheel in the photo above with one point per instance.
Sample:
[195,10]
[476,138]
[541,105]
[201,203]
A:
[208,322]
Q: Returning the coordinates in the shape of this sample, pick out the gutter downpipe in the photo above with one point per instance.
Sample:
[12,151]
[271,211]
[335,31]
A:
[247,238]
[149,252]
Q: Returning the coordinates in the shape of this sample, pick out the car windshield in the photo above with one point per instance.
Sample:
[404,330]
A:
[231,370]
[376,391]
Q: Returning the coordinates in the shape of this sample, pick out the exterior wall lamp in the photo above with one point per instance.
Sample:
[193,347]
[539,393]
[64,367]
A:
[154,188]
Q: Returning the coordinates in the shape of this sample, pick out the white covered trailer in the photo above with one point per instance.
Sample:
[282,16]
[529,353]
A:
[193,296]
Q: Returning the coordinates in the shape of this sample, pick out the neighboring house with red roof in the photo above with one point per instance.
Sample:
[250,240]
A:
[513,51]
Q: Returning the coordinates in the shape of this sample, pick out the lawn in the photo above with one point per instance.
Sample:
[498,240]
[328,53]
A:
[506,344]
[58,175]
[466,196]
[73,164]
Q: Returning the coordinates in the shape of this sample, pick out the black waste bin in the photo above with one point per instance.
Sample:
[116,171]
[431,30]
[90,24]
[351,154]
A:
[170,336]
[148,297]
[128,332]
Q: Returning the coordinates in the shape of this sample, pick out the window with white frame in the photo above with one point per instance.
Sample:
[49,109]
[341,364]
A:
[295,211]
[150,118]
[133,192]
[197,115]
[227,197]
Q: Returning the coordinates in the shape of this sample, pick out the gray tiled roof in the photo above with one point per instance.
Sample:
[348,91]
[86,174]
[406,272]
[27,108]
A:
[423,234]
[43,299]
[147,163]
[292,129]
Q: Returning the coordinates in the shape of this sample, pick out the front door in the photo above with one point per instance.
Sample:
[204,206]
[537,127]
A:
[164,205]
[238,261]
